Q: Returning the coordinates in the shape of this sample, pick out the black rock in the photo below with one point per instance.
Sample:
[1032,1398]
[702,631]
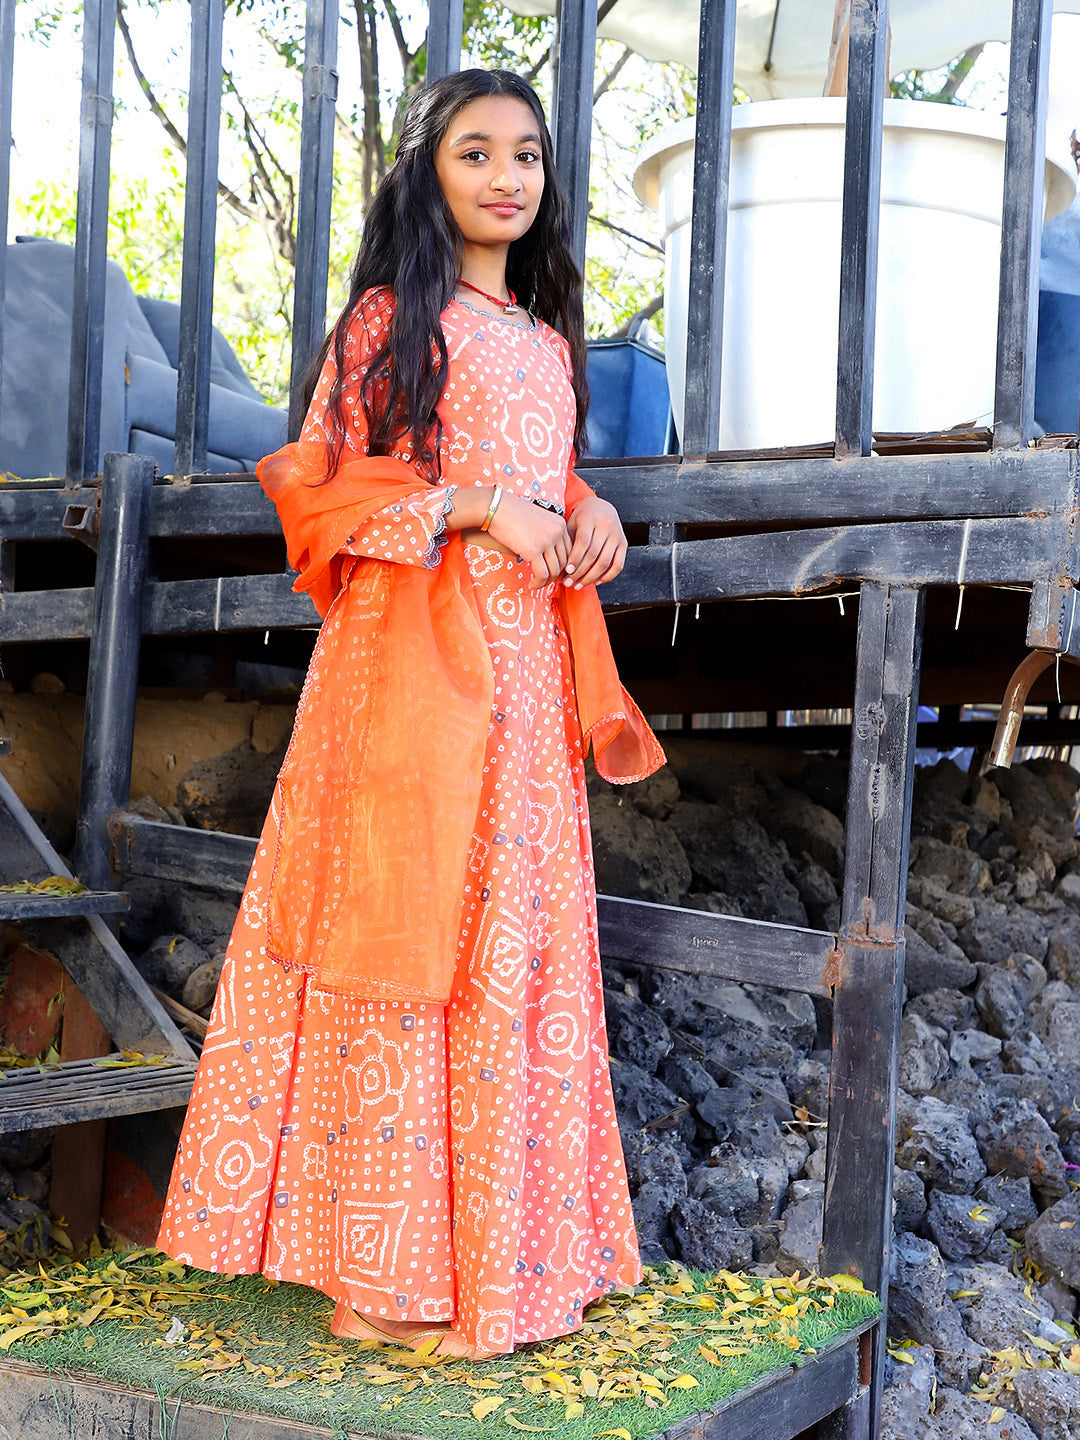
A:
[686,1076]
[959,1225]
[906,1398]
[800,1233]
[960,869]
[639,1098]
[1063,949]
[940,1148]
[966,1417]
[170,960]
[804,826]
[998,1308]
[202,916]
[998,930]
[728,1187]
[635,1031]
[1050,1402]
[1017,1141]
[999,1000]
[947,1008]
[635,856]
[1012,1196]
[732,853]
[1053,1241]
[923,1058]
[921,1309]
[909,1199]
[927,969]
[707,1240]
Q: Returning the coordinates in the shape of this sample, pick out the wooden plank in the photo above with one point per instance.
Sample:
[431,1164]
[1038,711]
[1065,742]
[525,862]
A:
[866,1006]
[805,562]
[86,948]
[1013,551]
[720,492]
[38,1405]
[781,1405]
[79,1091]
[719,946]
[171,852]
[36,907]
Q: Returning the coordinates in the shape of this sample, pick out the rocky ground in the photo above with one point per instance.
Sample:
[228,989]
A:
[722,1089]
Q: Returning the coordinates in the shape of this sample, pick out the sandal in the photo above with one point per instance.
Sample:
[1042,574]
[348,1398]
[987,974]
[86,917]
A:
[349,1324]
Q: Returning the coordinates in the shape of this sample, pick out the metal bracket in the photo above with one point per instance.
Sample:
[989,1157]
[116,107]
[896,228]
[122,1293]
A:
[83,522]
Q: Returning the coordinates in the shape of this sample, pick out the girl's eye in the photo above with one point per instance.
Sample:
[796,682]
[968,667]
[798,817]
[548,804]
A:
[528,156]
[474,155]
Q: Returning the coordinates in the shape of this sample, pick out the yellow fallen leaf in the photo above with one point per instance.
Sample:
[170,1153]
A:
[20,1332]
[487,1406]
[979,1214]
[997,1414]
[846,1282]
[619,1434]
[574,1411]
[683,1382]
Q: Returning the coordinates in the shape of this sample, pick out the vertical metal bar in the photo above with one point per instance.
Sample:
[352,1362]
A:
[859,227]
[445,22]
[572,111]
[109,726]
[708,233]
[1021,223]
[91,236]
[868,992]
[200,223]
[7,72]
[316,191]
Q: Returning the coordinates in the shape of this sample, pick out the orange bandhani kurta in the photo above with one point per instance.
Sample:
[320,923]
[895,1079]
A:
[439,1162]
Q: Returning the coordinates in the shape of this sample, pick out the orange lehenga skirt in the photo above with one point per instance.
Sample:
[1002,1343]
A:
[425,1162]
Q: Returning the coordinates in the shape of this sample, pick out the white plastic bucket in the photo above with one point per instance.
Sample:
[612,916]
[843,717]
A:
[940,239]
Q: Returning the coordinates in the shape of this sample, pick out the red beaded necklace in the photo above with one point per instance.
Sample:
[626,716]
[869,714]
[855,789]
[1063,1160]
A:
[508,307]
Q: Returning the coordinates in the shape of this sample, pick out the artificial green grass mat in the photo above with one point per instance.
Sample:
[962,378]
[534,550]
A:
[680,1342]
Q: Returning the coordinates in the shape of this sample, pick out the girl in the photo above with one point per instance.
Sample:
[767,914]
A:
[404,1098]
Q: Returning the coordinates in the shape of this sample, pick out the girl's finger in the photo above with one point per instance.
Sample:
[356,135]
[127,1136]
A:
[598,566]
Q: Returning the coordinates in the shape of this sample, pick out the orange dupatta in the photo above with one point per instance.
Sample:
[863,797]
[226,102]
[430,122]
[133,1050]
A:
[376,801]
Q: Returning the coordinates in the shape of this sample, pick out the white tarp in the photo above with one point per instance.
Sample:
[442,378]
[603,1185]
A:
[925,33]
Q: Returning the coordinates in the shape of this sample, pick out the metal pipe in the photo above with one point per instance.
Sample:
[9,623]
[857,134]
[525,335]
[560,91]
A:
[1011,713]
[1021,223]
[91,236]
[200,223]
[7,71]
[316,193]
[708,232]
[867,45]
[572,111]
[109,726]
[445,22]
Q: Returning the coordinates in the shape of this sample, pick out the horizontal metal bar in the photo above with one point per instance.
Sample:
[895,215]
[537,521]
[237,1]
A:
[724,947]
[718,492]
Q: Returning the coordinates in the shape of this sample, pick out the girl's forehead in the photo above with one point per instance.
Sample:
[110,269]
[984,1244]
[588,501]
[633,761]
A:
[494,117]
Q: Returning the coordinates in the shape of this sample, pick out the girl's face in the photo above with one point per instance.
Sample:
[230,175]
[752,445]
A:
[491,170]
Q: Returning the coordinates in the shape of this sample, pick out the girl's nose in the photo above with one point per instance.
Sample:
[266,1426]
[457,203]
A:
[507,181]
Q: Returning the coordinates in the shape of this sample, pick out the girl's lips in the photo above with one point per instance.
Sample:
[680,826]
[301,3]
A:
[505,208]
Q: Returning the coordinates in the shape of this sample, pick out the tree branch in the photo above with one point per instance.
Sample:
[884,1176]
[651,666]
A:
[612,73]
[229,196]
[408,57]
[629,234]
[959,73]
[646,313]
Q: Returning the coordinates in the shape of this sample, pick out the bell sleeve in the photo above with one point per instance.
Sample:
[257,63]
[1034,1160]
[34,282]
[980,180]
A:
[411,531]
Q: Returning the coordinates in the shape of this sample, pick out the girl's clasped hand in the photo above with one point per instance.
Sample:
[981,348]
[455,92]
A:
[589,548]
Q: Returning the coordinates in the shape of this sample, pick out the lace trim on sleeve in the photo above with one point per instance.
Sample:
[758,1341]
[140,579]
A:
[439,537]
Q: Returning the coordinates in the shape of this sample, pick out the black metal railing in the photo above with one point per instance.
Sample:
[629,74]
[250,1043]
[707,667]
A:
[576,45]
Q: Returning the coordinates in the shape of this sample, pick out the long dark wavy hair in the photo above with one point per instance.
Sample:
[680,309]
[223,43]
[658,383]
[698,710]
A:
[412,245]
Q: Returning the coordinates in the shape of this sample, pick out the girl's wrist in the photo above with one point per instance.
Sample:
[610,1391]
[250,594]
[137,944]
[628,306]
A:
[471,505]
